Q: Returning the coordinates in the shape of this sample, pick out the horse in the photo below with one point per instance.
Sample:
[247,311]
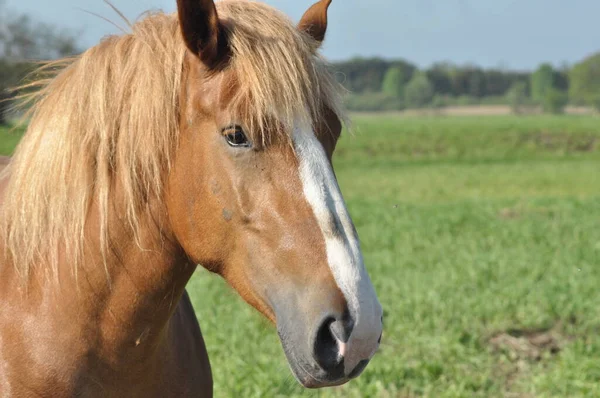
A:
[200,137]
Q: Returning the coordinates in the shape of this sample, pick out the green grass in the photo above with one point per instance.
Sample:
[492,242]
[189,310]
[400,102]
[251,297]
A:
[476,231]
[9,138]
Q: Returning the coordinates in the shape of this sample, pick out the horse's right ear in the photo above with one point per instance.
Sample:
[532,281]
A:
[202,31]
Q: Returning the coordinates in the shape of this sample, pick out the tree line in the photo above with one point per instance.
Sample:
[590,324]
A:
[374,84]
[382,85]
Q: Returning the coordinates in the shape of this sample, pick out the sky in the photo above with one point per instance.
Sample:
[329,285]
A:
[514,34]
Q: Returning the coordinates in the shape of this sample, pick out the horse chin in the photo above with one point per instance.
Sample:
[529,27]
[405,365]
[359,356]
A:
[306,371]
[310,382]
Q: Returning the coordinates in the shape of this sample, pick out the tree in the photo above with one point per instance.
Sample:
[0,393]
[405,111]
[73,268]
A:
[476,82]
[555,101]
[439,76]
[11,73]
[22,41]
[365,75]
[394,82]
[584,84]
[419,91]
[374,102]
[517,96]
[542,81]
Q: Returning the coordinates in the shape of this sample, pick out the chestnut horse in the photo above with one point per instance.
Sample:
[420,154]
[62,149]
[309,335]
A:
[206,138]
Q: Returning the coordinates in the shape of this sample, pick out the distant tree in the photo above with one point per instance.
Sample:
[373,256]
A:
[365,75]
[459,81]
[22,41]
[362,75]
[542,81]
[497,82]
[11,73]
[4,106]
[561,77]
[439,76]
[472,81]
[595,102]
[374,102]
[466,100]
[419,91]
[555,101]
[517,96]
[394,82]
[476,82]
[584,82]
[438,102]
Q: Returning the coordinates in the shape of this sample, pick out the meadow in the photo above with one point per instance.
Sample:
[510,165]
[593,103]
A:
[482,237]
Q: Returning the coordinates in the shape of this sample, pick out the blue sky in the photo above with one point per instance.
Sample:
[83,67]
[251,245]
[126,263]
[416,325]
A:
[517,34]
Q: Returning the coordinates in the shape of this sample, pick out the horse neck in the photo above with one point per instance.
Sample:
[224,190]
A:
[142,281]
[118,305]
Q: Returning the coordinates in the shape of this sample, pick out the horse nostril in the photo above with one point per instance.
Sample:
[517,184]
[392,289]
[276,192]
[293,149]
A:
[332,336]
[358,369]
[326,349]
[342,328]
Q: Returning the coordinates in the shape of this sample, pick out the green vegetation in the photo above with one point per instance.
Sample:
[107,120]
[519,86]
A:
[419,91]
[9,138]
[382,85]
[542,81]
[585,82]
[547,90]
[23,39]
[394,82]
[517,97]
[451,84]
[375,102]
[481,237]
[554,101]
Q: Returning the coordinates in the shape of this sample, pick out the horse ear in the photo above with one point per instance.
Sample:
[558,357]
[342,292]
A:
[202,31]
[314,21]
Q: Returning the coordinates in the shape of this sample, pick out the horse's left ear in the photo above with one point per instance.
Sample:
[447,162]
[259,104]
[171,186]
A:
[314,21]
[203,33]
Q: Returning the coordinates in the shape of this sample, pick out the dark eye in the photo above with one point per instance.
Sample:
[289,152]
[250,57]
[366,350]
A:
[236,137]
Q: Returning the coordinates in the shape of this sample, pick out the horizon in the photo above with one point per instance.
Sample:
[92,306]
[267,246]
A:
[422,32]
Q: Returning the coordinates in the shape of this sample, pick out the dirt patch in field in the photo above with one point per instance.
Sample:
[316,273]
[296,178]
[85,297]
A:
[509,213]
[532,345]
[520,350]
[523,210]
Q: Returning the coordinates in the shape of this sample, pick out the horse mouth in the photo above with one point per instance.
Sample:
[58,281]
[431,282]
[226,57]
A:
[312,380]
[308,373]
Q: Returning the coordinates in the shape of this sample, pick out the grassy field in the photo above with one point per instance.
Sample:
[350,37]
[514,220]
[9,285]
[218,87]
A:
[482,237]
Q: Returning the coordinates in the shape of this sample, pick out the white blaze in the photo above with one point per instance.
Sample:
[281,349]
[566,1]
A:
[343,249]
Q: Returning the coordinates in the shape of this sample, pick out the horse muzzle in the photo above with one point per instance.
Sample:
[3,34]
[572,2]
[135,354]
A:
[328,352]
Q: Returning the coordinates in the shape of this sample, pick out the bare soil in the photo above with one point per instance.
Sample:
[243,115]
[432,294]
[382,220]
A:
[530,345]
[522,350]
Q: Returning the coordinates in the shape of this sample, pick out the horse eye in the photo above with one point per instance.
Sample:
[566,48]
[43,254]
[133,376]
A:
[236,137]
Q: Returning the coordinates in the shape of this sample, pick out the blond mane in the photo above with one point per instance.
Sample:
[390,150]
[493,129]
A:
[110,117]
